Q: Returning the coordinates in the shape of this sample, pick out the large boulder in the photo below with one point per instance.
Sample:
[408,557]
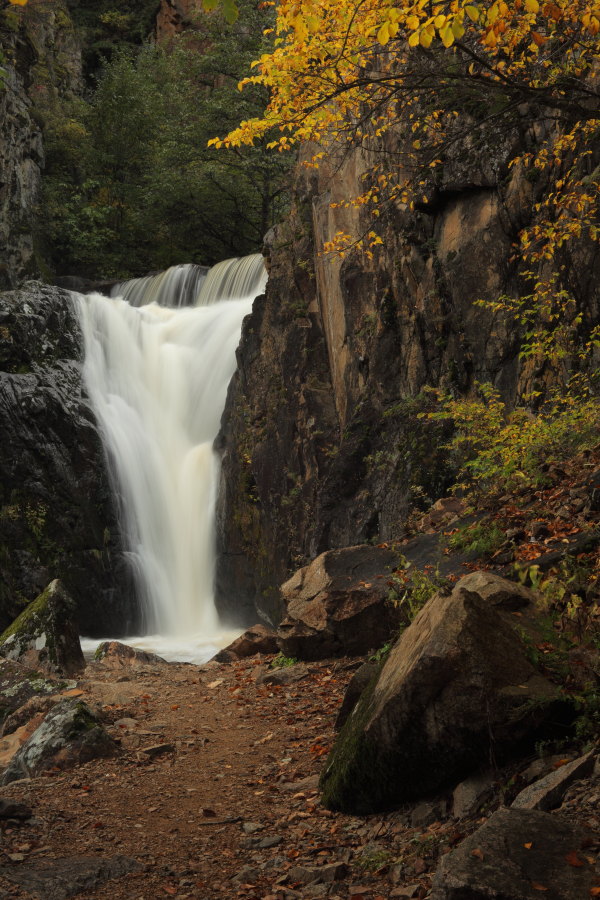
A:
[456,689]
[517,855]
[338,605]
[258,639]
[70,734]
[45,635]
[57,515]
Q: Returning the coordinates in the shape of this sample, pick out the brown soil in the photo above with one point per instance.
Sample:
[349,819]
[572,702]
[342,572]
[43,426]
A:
[241,771]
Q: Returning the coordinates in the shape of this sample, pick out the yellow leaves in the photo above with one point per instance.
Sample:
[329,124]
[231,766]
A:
[413,40]
[412,22]
[473,12]
[532,6]
[18,2]
[383,35]
[447,36]
[493,12]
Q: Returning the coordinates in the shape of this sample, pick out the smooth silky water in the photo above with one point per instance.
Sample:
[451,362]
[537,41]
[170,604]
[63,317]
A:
[157,374]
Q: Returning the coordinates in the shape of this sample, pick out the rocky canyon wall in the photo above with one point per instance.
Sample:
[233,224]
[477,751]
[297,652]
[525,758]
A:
[57,512]
[41,59]
[322,442]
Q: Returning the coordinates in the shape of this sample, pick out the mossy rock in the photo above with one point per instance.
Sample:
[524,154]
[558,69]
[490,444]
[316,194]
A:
[44,633]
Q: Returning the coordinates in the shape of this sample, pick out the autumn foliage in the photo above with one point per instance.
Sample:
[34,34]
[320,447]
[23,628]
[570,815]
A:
[412,82]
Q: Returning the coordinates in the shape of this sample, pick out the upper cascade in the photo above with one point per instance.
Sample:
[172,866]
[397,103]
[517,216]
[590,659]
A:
[234,278]
[178,286]
[191,285]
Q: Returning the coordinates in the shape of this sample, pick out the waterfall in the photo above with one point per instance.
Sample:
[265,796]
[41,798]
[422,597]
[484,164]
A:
[157,376]
[178,286]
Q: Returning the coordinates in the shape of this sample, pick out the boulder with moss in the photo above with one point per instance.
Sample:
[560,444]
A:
[456,690]
[69,735]
[45,635]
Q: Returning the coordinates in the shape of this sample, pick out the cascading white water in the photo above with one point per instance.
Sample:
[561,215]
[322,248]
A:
[157,378]
[177,286]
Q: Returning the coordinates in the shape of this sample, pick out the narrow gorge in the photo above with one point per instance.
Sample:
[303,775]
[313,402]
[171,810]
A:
[300,472]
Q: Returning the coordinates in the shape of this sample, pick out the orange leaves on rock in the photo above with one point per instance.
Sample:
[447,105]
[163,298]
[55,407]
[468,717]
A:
[477,853]
[539,887]
[574,860]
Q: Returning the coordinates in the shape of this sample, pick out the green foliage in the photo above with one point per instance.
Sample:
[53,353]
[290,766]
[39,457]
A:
[373,858]
[283,662]
[382,653]
[131,185]
[570,595]
[587,723]
[497,451]
[109,25]
[479,538]
[413,587]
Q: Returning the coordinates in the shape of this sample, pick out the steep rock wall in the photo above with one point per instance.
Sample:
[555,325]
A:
[42,64]
[57,517]
[376,331]
[174,16]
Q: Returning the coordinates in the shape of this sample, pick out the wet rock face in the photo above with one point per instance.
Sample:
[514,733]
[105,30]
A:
[56,512]
[456,684]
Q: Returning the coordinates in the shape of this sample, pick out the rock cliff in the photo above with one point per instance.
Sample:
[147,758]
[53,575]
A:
[41,59]
[56,510]
[322,442]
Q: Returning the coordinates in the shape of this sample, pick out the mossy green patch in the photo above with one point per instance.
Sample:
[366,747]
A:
[30,619]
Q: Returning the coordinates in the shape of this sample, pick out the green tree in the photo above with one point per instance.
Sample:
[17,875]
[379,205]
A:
[139,189]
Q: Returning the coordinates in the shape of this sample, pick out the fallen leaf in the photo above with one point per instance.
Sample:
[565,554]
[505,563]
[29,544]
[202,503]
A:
[169,889]
[538,887]
[477,852]
[528,845]
[216,683]
[595,892]
[573,859]
[175,706]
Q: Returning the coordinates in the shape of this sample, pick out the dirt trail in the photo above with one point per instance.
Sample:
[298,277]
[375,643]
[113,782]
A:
[213,795]
[232,791]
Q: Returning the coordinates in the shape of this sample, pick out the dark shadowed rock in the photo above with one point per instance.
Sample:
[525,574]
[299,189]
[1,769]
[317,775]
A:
[468,796]
[339,605]
[57,518]
[456,684]
[258,639]
[356,686]
[516,855]
[46,635]
[549,791]
[70,734]
[57,879]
